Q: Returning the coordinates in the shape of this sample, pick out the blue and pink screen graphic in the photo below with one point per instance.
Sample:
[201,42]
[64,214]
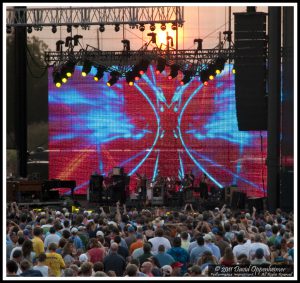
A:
[155,127]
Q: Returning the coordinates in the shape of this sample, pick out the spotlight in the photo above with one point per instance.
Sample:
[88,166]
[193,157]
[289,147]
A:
[174,26]
[233,70]
[100,73]
[211,70]
[101,28]
[136,72]
[152,27]
[69,28]
[8,29]
[114,78]
[204,76]
[130,78]
[219,64]
[117,27]
[76,39]
[56,79]
[142,27]
[68,40]
[161,63]
[54,29]
[70,67]
[29,29]
[59,44]
[143,66]
[174,71]
[86,68]
[163,27]
[186,78]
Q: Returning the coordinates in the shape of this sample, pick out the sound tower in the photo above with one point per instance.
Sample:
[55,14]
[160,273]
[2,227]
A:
[250,46]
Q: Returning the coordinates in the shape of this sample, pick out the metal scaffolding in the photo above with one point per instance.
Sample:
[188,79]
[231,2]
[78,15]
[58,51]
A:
[86,16]
[123,61]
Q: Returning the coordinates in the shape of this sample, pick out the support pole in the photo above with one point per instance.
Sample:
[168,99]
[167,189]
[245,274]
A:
[274,93]
[21,98]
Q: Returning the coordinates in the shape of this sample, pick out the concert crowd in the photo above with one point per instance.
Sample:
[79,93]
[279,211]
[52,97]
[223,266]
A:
[152,241]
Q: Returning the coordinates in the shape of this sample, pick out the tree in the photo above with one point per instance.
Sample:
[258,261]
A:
[37,85]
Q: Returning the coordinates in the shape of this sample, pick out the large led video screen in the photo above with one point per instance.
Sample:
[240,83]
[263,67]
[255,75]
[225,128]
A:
[155,127]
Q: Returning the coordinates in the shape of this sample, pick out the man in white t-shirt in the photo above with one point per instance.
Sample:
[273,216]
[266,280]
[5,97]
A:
[243,246]
[159,240]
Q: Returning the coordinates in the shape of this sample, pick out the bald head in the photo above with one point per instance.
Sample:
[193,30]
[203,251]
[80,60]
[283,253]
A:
[114,247]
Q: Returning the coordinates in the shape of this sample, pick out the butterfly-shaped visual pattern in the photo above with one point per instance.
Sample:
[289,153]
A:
[157,125]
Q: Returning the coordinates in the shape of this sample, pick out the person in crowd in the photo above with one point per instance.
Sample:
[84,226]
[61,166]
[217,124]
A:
[52,237]
[197,252]
[69,253]
[228,259]
[147,253]
[27,270]
[95,252]
[114,262]
[54,261]
[41,265]
[209,242]
[11,268]
[163,257]
[159,239]
[146,267]
[179,254]
[38,244]
[257,244]
[259,258]
[131,270]
[243,246]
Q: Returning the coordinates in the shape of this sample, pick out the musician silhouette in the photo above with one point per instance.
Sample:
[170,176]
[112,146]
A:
[204,187]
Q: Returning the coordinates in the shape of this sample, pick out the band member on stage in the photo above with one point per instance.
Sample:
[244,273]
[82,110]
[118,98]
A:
[204,187]
[142,187]
[186,182]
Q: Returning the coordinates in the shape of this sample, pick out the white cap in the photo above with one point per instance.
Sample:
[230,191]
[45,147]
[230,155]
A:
[57,213]
[74,230]
[83,258]
[100,233]
[207,237]
[43,213]
[167,270]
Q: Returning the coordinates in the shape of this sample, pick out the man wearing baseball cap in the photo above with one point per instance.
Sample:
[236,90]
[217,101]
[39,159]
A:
[176,268]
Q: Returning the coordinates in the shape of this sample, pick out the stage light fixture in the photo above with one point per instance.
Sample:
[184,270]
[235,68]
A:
[174,71]
[100,73]
[174,26]
[101,28]
[233,71]
[57,79]
[204,76]
[143,66]
[163,27]
[69,28]
[142,27]
[186,78]
[219,64]
[29,29]
[70,67]
[76,39]
[117,27]
[54,29]
[114,76]
[161,64]
[86,68]
[152,27]
[130,78]
[59,44]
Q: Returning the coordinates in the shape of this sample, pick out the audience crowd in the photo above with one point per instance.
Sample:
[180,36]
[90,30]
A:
[152,242]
